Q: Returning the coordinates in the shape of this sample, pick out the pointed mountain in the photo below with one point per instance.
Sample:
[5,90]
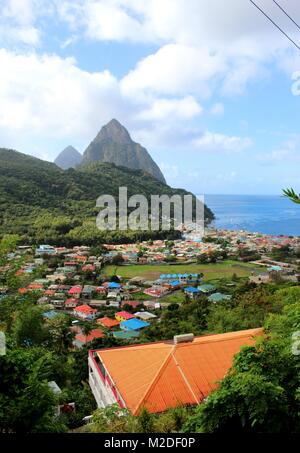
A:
[68,158]
[113,144]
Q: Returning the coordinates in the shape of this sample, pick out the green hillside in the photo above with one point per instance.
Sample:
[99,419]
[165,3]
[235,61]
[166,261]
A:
[44,203]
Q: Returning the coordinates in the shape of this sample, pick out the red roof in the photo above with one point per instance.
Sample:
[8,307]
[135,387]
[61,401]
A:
[88,267]
[75,290]
[85,309]
[35,286]
[124,314]
[95,333]
[108,322]
[132,303]
[71,301]
[100,289]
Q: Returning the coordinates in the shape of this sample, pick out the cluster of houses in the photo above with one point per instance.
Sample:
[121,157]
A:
[73,286]
[255,242]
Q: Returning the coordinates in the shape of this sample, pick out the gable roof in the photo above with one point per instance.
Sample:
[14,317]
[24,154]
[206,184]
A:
[162,375]
[133,324]
[108,322]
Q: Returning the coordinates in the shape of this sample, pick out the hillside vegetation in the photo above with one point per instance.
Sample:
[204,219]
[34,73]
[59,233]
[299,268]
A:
[44,203]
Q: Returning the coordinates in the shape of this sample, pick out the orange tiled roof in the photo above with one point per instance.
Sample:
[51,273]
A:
[108,322]
[93,335]
[162,375]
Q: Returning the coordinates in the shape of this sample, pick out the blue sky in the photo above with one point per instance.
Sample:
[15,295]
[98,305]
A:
[207,88]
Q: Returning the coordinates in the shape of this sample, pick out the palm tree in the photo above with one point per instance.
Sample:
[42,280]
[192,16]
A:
[86,329]
[291,194]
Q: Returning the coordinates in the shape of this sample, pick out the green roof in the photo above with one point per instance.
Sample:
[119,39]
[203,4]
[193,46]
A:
[218,297]
[206,287]
[126,335]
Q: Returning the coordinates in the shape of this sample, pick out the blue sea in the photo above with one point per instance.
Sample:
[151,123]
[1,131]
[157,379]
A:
[269,214]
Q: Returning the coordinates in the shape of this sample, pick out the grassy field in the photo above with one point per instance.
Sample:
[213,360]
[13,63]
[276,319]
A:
[210,271]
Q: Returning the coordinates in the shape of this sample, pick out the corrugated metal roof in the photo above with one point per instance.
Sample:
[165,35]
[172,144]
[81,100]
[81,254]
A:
[163,375]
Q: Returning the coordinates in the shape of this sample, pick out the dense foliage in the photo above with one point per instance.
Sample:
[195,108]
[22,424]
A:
[44,204]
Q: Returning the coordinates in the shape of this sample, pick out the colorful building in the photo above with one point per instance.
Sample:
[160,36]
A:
[164,375]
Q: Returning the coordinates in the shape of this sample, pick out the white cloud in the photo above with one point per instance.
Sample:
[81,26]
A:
[48,97]
[17,21]
[204,46]
[219,142]
[52,96]
[288,152]
[174,69]
[184,108]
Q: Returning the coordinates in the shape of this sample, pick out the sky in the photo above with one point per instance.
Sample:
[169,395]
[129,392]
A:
[211,89]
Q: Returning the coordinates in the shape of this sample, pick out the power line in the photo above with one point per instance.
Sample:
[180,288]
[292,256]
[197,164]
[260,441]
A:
[274,23]
[283,10]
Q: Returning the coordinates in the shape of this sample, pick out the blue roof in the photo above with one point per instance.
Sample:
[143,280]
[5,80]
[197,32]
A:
[50,314]
[114,285]
[168,276]
[175,283]
[275,268]
[133,324]
[162,276]
[190,289]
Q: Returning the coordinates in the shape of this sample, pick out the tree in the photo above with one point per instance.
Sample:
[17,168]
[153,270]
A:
[291,194]
[27,404]
[261,391]
[29,328]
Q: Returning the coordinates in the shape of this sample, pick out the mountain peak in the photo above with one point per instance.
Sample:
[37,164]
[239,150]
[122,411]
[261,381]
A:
[115,131]
[113,144]
[68,158]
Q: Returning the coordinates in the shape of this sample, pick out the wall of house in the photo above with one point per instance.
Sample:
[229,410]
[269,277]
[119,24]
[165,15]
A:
[101,385]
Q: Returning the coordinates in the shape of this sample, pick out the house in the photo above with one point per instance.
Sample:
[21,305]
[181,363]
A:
[100,290]
[151,304]
[75,291]
[45,250]
[87,291]
[126,335]
[218,297]
[58,303]
[192,292]
[207,288]
[123,316]
[114,303]
[144,315]
[131,303]
[51,314]
[71,303]
[81,339]
[108,322]
[98,303]
[156,291]
[162,375]
[85,312]
[133,324]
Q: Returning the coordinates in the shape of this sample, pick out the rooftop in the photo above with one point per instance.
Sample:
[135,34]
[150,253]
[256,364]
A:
[162,375]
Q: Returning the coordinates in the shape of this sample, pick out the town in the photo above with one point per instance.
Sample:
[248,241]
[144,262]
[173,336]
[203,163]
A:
[120,295]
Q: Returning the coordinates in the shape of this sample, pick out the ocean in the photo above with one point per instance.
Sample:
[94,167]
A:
[267,214]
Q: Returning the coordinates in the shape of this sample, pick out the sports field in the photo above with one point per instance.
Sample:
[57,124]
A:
[153,271]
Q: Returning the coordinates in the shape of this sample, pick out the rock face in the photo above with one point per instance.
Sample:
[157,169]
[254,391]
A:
[113,144]
[68,158]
